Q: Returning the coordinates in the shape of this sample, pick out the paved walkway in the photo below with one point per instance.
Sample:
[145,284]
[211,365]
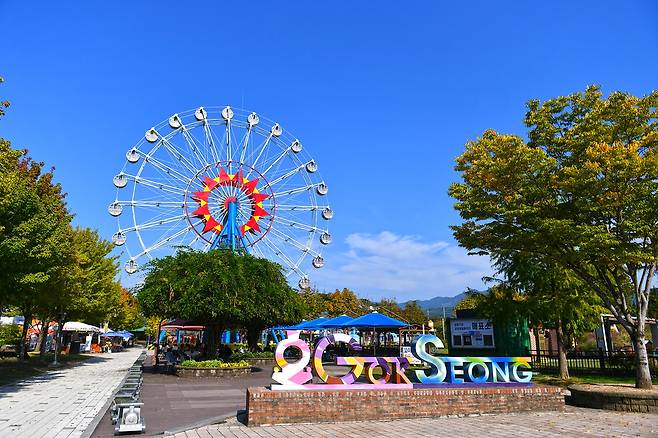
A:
[64,402]
[175,403]
[578,422]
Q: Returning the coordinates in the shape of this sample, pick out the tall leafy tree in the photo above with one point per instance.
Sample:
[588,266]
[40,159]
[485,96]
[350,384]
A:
[127,314]
[221,290]
[413,313]
[546,295]
[35,250]
[581,194]
[93,294]
[342,302]
[314,303]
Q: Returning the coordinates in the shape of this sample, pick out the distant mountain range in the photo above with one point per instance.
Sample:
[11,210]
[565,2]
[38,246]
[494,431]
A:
[435,306]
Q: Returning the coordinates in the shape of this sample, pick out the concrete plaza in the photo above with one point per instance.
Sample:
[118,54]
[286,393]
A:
[574,422]
[64,402]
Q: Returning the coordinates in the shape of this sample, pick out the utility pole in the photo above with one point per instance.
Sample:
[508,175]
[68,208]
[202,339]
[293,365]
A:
[443,324]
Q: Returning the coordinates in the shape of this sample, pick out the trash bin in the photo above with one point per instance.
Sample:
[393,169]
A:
[75,347]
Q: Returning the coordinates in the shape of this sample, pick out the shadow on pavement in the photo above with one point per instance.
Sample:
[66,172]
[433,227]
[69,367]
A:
[42,373]
[173,403]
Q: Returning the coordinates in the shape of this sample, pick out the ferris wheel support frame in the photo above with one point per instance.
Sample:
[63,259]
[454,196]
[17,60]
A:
[230,234]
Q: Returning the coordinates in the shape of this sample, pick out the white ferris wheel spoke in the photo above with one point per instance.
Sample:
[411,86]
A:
[284,207]
[167,240]
[214,153]
[194,146]
[156,184]
[155,223]
[299,226]
[285,237]
[266,240]
[229,152]
[171,148]
[287,175]
[279,158]
[262,149]
[167,169]
[245,143]
[153,204]
[294,191]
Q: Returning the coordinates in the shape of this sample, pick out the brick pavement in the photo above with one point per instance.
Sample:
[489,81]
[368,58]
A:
[578,422]
[63,402]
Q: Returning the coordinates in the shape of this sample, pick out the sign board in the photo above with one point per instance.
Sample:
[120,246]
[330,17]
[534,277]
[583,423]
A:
[472,333]
[405,351]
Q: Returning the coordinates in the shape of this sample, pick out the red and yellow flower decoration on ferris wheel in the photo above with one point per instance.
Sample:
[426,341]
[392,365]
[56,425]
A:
[246,186]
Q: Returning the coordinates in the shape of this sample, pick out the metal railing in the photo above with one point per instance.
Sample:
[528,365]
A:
[617,363]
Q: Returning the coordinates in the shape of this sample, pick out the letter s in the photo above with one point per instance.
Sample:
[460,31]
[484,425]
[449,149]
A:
[438,372]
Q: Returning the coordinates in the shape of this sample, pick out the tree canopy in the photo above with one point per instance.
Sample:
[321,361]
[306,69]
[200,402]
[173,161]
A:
[220,289]
[579,194]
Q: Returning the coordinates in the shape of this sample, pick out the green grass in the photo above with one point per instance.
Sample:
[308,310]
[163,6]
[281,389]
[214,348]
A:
[554,380]
[12,370]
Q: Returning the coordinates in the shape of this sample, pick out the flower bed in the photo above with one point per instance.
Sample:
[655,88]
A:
[212,368]
[213,364]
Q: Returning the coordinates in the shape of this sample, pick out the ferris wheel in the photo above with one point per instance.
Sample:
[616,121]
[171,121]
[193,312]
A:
[221,178]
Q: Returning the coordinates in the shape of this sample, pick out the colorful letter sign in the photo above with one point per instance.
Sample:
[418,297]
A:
[391,372]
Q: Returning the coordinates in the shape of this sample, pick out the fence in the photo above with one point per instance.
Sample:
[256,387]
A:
[616,363]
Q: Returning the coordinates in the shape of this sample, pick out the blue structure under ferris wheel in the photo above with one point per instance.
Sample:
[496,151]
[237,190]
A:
[222,178]
[230,236]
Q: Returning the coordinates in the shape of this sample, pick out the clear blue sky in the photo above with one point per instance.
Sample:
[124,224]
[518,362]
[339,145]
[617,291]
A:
[383,94]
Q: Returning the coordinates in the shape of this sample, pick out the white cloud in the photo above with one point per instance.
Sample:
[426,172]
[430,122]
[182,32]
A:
[403,267]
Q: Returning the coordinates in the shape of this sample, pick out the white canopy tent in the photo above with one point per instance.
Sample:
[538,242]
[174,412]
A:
[74,326]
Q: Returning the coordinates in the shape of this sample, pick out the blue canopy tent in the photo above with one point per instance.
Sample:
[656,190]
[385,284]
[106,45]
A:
[313,324]
[126,334]
[374,321]
[112,334]
[341,321]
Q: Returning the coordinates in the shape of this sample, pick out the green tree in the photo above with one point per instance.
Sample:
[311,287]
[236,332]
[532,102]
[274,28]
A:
[544,294]
[266,297]
[127,315]
[35,250]
[314,303]
[94,294]
[580,194]
[389,307]
[220,289]
[414,314]
[342,302]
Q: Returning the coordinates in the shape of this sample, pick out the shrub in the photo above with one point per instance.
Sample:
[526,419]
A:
[10,334]
[213,364]
[252,355]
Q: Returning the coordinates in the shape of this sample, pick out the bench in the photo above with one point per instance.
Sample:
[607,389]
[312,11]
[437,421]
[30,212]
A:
[126,411]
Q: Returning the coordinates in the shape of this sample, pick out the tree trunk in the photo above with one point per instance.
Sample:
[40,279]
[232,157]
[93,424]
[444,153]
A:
[157,345]
[642,372]
[562,351]
[26,326]
[213,339]
[43,336]
[253,335]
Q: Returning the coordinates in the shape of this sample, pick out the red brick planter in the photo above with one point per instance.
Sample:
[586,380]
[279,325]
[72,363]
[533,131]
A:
[614,398]
[280,407]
